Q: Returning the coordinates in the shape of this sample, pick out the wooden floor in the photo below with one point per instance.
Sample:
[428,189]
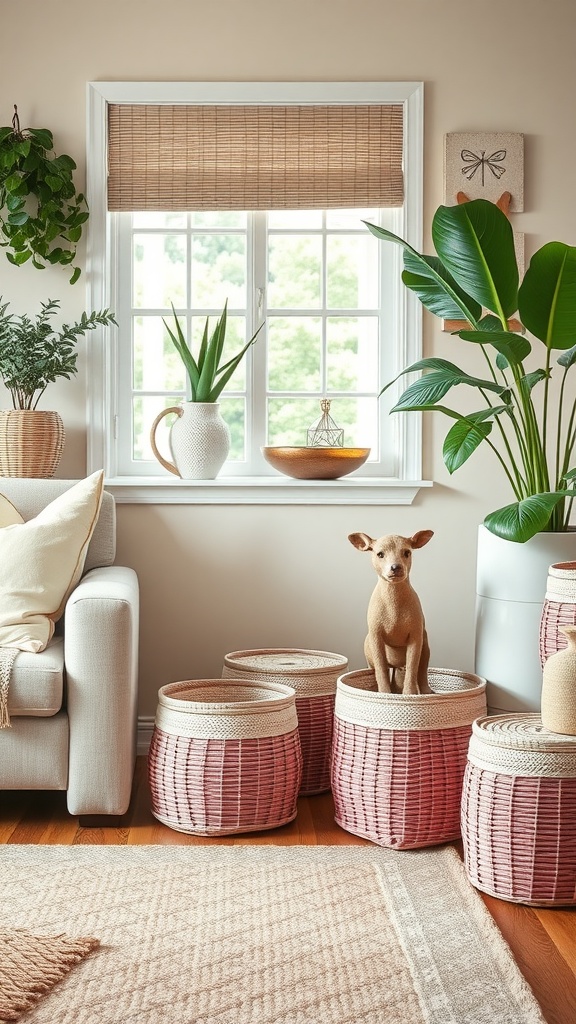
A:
[543,941]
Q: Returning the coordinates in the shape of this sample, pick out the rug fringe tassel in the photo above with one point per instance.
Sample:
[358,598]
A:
[25,957]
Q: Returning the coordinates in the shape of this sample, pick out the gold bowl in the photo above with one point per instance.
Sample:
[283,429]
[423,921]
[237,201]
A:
[315,463]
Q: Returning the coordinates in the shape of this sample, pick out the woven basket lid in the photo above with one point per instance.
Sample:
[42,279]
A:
[457,699]
[311,673]
[226,709]
[518,744]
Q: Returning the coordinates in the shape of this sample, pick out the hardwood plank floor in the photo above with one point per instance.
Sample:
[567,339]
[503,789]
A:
[542,940]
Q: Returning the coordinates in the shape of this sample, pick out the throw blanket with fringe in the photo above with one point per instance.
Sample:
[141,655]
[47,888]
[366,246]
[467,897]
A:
[7,658]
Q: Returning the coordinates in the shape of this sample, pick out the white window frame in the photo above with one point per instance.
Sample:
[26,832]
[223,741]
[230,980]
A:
[102,354]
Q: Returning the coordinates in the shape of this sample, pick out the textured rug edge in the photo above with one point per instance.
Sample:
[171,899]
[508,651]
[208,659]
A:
[31,965]
[489,929]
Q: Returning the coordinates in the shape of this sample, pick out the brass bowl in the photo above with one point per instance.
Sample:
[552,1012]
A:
[315,463]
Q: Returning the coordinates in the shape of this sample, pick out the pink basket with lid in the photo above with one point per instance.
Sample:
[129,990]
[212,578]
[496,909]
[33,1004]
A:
[225,756]
[313,676]
[519,811]
[398,760]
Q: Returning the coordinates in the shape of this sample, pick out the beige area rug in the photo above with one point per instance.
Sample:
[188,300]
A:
[265,935]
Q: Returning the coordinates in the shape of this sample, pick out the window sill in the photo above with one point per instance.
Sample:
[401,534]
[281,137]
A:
[264,491]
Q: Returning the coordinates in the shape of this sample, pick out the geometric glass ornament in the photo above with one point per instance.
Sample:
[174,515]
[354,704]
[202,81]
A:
[325,433]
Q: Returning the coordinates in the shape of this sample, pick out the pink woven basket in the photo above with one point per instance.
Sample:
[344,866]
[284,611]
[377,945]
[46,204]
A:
[559,608]
[225,757]
[398,760]
[519,811]
[313,676]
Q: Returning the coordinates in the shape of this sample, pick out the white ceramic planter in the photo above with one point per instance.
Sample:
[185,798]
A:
[510,591]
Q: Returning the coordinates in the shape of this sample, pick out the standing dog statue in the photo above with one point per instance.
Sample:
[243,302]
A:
[397,645]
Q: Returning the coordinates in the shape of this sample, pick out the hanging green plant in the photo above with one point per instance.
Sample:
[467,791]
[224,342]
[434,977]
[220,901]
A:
[41,214]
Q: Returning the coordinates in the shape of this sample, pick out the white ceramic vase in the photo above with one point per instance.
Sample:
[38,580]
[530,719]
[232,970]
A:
[199,440]
[559,687]
[510,591]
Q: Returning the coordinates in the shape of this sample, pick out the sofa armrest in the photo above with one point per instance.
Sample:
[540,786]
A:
[101,663]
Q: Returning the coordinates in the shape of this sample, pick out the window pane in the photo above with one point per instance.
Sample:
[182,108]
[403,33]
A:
[144,411]
[159,270]
[234,412]
[289,420]
[219,219]
[352,353]
[351,219]
[154,219]
[294,353]
[358,417]
[235,340]
[294,272]
[157,365]
[351,272]
[295,219]
[218,270]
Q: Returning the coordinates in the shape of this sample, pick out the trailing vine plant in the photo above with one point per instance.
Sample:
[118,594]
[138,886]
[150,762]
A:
[41,214]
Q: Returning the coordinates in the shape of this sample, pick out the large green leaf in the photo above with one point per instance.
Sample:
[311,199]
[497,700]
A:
[547,296]
[430,388]
[524,519]
[461,442]
[514,347]
[423,276]
[476,244]
[430,281]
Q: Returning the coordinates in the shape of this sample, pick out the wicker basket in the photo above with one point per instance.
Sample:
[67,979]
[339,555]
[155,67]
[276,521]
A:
[31,442]
[519,811]
[559,608]
[225,757]
[313,675]
[398,760]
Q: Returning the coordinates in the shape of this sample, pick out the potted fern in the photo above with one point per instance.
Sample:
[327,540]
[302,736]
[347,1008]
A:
[34,354]
[200,438]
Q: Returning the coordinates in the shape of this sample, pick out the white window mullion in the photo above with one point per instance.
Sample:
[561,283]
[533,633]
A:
[259,292]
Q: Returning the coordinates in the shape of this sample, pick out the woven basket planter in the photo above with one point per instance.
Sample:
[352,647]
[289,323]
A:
[519,811]
[225,757]
[31,442]
[559,608]
[313,676]
[398,760]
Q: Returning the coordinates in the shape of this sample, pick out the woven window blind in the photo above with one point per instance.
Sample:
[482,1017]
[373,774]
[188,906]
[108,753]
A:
[181,157]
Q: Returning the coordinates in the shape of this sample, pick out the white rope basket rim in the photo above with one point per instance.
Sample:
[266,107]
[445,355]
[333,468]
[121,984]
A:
[240,661]
[450,708]
[519,745]
[253,717]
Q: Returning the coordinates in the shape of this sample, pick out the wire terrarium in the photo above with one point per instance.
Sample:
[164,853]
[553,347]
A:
[325,433]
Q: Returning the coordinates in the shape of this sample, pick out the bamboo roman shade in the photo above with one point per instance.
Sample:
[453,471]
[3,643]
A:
[189,157]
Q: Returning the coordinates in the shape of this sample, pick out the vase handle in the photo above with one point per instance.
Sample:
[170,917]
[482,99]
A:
[167,465]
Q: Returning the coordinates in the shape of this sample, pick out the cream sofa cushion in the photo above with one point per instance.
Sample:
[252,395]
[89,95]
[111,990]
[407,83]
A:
[42,561]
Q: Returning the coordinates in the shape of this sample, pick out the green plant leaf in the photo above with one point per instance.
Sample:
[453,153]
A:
[514,347]
[568,358]
[530,380]
[476,244]
[42,137]
[461,442]
[432,387]
[547,296]
[427,281]
[524,519]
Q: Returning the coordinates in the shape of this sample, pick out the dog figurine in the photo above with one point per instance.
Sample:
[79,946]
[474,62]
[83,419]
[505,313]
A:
[396,647]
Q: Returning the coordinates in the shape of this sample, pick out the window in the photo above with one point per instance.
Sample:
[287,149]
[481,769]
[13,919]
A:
[337,321]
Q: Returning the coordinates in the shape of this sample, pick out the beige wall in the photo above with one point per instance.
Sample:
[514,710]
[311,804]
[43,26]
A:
[216,579]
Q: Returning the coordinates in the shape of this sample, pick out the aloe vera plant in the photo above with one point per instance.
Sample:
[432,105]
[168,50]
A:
[206,375]
[525,418]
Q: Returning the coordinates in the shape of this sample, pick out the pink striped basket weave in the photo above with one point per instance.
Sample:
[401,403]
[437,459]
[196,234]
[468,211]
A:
[559,608]
[398,760]
[519,811]
[313,675]
[225,756]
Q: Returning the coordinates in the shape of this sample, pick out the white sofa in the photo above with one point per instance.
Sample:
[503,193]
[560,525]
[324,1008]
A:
[73,707]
